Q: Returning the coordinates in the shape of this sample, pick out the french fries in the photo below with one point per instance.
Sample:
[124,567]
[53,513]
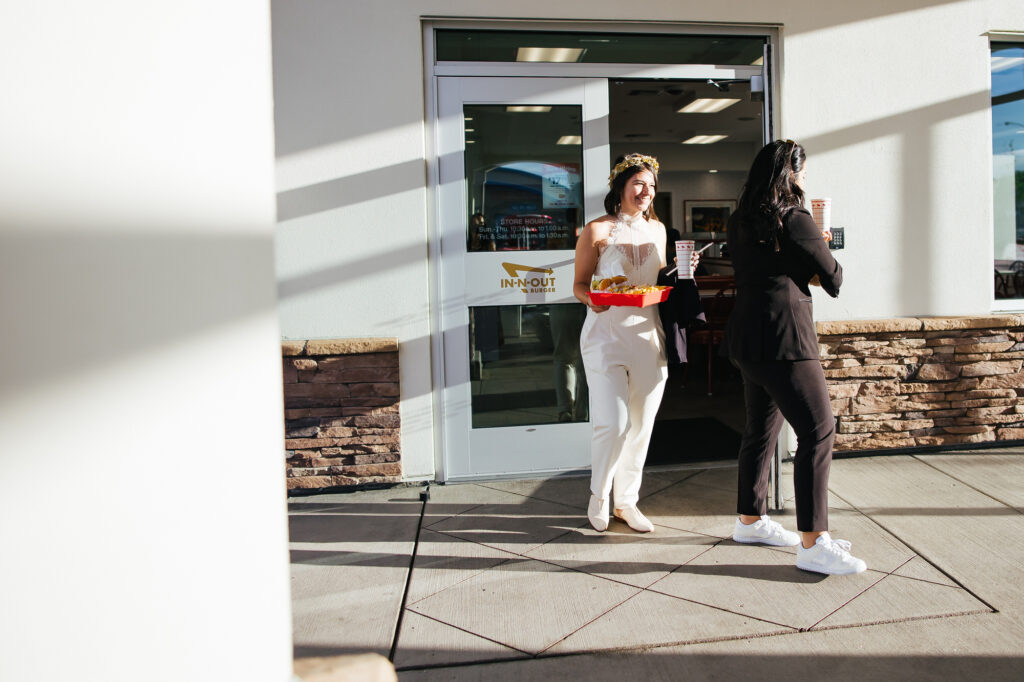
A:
[607,283]
[629,289]
[620,285]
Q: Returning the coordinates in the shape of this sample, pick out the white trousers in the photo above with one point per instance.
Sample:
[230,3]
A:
[623,354]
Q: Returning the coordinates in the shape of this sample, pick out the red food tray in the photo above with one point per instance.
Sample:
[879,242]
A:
[635,300]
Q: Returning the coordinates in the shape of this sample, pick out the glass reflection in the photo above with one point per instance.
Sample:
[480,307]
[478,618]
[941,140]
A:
[1008,168]
[524,187]
[526,365]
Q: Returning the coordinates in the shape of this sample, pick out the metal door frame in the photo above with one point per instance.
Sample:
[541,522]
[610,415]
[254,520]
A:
[433,69]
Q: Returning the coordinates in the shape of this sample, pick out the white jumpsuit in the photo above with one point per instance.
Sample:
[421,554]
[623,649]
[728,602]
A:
[623,352]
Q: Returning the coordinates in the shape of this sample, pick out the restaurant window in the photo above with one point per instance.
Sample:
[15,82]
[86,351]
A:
[1008,167]
[524,190]
[455,45]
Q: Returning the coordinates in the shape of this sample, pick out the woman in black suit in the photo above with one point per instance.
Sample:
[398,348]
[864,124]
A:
[778,252]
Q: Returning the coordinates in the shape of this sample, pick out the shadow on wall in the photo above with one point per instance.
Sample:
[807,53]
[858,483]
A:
[375,183]
[311,113]
[853,13]
[915,127]
[308,56]
[350,271]
[149,290]
[313,105]
[916,131]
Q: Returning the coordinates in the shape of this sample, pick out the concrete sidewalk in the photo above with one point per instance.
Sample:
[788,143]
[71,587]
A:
[510,582]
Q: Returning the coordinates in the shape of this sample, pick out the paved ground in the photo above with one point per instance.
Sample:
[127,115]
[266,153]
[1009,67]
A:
[509,581]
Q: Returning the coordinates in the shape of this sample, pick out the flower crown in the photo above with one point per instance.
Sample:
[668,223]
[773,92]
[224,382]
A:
[633,160]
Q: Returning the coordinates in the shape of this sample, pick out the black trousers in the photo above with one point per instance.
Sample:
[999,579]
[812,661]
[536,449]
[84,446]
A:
[794,390]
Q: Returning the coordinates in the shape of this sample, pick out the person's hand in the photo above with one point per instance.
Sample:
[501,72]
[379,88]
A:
[694,260]
[814,281]
[826,235]
[593,306]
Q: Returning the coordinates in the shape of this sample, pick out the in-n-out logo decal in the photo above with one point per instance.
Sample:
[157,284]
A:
[533,282]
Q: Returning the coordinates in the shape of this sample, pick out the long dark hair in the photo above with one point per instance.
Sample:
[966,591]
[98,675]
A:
[771,190]
[613,200]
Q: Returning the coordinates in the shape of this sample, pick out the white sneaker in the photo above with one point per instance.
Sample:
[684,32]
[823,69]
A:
[597,512]
[634,519]
[766,532]
[828,556]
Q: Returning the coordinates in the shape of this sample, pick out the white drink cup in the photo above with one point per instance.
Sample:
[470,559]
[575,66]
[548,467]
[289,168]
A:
[684,253]
[821,210]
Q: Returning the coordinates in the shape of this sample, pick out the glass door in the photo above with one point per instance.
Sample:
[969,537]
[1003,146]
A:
[523,166]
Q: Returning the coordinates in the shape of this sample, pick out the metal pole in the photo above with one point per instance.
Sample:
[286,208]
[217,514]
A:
[776,501]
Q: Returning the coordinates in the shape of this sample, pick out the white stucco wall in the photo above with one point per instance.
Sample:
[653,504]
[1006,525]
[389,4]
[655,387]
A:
[351,243]
[142,496]
[890,99]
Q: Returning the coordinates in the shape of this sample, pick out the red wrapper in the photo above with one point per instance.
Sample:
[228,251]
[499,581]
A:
[635,300]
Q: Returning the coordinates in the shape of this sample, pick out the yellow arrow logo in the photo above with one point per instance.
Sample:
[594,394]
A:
[513,270]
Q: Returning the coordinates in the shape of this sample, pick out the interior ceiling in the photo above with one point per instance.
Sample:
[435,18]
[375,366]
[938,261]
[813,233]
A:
[601,48]
[647,111]
[643,117]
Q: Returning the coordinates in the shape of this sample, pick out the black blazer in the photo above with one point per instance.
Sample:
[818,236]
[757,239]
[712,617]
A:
[773,319]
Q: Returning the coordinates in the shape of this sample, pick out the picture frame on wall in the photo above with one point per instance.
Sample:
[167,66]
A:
[707,215]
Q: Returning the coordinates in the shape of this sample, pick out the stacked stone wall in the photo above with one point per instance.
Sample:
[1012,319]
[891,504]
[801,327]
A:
[342,423]
[920,382]
[896,383]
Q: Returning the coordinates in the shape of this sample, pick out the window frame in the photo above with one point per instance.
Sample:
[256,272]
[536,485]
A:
[1015,303]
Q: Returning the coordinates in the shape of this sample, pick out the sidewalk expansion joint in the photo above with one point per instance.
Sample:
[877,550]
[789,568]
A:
[968,485]
[916,551]
[424,497]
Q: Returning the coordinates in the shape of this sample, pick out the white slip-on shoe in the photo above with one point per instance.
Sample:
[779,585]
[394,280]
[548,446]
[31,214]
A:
[766,532]
[828,556]
[634,519]
[597,512]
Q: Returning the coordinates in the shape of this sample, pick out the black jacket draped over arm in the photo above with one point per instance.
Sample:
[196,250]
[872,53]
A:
[682,308]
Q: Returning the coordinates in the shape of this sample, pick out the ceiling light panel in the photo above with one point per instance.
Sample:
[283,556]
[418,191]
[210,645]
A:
[528,109]
[707,105]
[705,139]
[549,54]
[570,139]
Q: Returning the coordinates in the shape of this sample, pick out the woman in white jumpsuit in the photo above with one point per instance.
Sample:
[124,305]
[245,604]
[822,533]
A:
[623,348]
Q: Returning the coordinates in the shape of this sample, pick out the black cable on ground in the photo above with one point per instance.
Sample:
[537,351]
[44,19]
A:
[424,498]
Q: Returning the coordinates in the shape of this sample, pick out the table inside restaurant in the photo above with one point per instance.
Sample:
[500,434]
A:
[711,285]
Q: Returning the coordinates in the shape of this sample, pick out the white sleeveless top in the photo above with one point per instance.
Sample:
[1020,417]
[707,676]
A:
[624,335]
[635,248]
